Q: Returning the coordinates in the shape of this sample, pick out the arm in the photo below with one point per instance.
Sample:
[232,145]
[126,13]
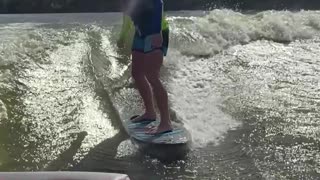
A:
[157,23]
[157,18]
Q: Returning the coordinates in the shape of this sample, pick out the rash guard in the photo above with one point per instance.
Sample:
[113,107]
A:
[147,16]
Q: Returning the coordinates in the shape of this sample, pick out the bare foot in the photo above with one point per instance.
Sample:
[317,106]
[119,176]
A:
[162,128]
[145,117]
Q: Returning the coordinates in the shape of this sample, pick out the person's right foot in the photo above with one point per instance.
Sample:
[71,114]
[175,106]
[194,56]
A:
[162,128]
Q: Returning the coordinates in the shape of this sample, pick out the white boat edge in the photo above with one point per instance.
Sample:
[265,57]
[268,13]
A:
[62,175]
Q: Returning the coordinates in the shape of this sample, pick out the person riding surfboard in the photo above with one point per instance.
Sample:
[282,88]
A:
[149,46]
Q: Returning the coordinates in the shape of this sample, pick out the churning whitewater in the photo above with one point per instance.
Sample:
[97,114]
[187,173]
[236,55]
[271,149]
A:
[246,86]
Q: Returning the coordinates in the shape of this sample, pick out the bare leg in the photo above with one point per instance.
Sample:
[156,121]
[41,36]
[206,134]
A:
[153,63]
[143,86]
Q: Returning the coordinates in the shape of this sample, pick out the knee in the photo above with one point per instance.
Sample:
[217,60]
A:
[154,80]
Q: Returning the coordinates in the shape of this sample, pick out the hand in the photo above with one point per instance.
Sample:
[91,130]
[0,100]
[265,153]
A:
[157,40]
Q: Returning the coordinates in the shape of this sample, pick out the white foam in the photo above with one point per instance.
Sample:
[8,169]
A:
[194,100]
[126,148]
[5,78]
[223,28]
[3,112]
[4,84]
[115,70]
[59,89]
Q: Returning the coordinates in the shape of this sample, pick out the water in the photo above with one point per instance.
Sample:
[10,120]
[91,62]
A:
[246,86]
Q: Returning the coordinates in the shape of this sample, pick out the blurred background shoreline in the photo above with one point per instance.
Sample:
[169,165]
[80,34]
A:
[78,6]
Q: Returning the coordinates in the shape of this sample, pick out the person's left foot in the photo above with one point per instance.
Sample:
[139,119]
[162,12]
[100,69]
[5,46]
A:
[160,129]
[144,118]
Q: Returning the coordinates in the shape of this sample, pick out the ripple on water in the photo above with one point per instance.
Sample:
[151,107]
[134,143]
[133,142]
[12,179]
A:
[3,112]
